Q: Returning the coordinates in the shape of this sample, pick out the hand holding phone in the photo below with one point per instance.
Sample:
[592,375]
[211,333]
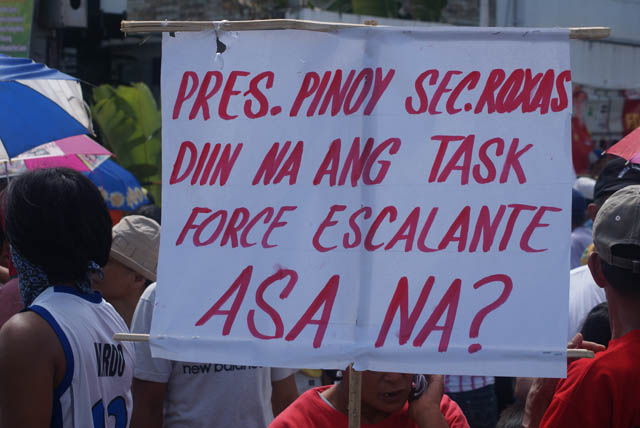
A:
[425,401]
[418,386]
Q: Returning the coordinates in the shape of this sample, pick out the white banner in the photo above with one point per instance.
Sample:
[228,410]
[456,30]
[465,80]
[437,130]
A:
[397,198]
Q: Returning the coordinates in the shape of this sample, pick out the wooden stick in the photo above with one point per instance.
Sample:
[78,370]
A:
[589,33]
[580,353]
[136,337]
[584,33]
[355,391]
[131,337]
[259,24]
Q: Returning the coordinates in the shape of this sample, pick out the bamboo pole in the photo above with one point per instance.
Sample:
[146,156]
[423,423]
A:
[258,24]
[355,391]
[137,337]
[131,337]
[580,353]
[583,33]
[589,33]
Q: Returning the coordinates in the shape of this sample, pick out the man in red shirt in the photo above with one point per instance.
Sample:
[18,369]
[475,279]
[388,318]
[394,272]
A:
[603,392]
[581,143]
[384,404]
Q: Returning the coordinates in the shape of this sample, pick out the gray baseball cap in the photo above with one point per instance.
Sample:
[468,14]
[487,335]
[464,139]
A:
[618,222]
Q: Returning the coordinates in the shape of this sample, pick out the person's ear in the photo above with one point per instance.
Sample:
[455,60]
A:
[139,281]
[592,210]
[596,270]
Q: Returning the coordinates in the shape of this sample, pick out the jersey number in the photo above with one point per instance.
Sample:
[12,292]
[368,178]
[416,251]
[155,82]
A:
[116,408]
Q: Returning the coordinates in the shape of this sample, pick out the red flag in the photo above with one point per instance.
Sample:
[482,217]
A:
[581,145]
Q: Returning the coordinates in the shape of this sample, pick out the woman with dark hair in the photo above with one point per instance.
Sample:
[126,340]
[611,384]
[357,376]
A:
[58,362]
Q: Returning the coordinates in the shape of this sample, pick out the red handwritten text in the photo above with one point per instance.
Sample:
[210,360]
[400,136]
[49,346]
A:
[358,164]
[200,93]
[448,304]
[233,228]
[323,303]
[272,164]
[461,159]
[465,232]
[201,165]
[348,96]
[501,93]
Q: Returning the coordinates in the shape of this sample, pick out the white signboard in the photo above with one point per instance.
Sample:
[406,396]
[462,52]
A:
[390,197]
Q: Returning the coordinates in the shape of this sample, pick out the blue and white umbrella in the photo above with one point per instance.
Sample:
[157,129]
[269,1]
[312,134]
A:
[37,105]
[120,189]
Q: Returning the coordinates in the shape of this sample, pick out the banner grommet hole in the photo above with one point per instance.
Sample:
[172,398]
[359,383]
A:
[220,47]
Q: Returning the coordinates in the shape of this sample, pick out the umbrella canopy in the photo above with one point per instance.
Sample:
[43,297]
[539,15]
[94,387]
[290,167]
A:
[628,147]
[37,105]
[79,152]
[119,188]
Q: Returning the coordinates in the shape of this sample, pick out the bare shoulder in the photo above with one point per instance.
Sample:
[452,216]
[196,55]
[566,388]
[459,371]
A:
[30,354]
[28,338]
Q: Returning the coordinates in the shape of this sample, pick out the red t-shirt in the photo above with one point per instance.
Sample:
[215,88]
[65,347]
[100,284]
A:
[311,411]
[600,392]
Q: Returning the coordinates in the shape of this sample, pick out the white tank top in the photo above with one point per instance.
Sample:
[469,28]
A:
[96,389]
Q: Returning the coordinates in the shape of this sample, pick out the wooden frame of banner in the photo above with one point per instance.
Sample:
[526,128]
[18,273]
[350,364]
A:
[355,377]
[583,33]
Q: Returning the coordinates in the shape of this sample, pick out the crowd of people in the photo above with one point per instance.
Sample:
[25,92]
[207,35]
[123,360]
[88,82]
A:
[72,280]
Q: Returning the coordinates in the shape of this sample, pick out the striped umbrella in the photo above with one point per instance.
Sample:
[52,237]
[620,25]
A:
[37,105]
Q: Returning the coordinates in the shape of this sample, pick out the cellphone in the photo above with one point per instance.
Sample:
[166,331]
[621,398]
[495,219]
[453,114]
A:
[418,386]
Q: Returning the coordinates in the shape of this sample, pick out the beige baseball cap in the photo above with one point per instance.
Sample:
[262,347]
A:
[136,243]
[618,222]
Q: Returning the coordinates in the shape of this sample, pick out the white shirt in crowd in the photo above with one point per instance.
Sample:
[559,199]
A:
[205,395]
[584,294]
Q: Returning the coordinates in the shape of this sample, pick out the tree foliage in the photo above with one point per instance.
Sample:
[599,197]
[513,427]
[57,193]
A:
[130,123]
[421,10]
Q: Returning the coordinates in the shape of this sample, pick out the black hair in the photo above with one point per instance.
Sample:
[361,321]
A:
[332,376]
[57,219]
[596,326]
[620,279]
[150,211]
[511,417]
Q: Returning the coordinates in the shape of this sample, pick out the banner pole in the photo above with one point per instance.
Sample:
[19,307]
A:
[583,33]
[355,391]
[131,337]
[138,337]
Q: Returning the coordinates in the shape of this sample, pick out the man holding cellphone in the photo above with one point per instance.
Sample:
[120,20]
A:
[384,403]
